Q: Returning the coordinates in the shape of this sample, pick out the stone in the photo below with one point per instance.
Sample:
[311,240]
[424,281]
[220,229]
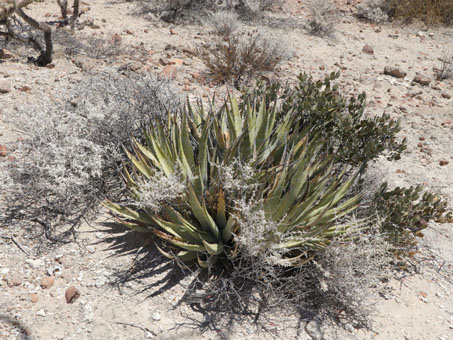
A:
[394,72]
[422,80]
[3,150]
[116,38]
[173,32]
[34,298]
[414,92]
[129,32]
[13,281]
[446,95]
[187,62]
[156,316]
[41,312]
[163,61]
[35,264]
[47,282]
[5,54]
[443,162]
[368,49]
[25,88]
[72,294]
[5,86]
[169,71]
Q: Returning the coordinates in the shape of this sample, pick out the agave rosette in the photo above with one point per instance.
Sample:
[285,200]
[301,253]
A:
[298,185]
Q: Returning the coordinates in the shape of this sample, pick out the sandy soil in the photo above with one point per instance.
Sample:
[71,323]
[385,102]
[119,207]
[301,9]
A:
[417,307]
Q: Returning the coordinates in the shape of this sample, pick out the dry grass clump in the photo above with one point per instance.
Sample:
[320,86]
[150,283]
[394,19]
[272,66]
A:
[70,154]
[431,12]
[224,22]
[446,68]
[239,57]
[324,17]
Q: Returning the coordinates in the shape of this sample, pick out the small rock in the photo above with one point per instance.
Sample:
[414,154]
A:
[169,71]
[34,298]
[129,32]
[187,62]
[35,264]
[72,294]
[25,88]
[394,72]
[414,93]
[163,61]
[156,316]
[3,150]
[176,61]
[95,27]
[446,95]
[368,49]
[116,38]
[13,281]
[100,282]
[5,54]
[5,86]
[443,162]
[421,80]
[47,282]
[41,312]
[173,32]
[56,270]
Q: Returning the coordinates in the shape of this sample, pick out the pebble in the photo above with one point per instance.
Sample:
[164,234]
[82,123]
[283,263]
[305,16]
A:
[368,49]
[394,72]
[41,312]
[72,294]
[446,95]
[443,162]
[13,281]
[156,316]
[5,54]
[425,81]
[56,270]
[169,71]
[47,282]
[35,264]
[3,151]
[34,298]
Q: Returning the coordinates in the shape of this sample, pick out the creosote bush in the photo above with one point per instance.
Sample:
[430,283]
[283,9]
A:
[239,57]
[70,154]
[372,10]
[225,22]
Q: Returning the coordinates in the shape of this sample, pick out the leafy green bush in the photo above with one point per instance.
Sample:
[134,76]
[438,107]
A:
[340,121]
[249,181]
[405,213]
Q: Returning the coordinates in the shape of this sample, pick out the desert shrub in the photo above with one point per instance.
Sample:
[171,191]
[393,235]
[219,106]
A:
[431,12]
[372,10]
[446,68]
[71,153]
[323,15]
[225,22]
[320,107]
[405,212]
[242,56]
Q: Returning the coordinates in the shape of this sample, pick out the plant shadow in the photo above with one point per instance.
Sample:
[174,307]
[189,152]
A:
[18,325]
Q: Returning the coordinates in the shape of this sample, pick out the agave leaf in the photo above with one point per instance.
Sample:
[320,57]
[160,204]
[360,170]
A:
[179,230]
[144,169]
[178,242]
[145,151]
[213,248]
[185,142]
[221,208]
[166,165]
[227,232]
[128,213]
[202,215]
[128,178]
[138,227]
[212,260]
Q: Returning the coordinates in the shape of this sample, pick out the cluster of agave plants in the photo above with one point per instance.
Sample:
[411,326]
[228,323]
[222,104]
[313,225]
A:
[272,173]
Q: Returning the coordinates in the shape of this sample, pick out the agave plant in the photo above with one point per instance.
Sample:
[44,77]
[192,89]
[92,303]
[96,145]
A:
[292,183]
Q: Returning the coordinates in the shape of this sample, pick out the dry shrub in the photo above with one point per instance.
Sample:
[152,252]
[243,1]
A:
[241,57]
[372,10]
[71,152]
[431,12]
[224,22]
[323,17]
[446,68]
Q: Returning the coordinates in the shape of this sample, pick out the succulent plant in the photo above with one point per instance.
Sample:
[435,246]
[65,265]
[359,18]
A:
[291,183]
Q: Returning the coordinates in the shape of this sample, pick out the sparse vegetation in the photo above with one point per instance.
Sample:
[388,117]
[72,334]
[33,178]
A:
[446,68]
[240,57]
[323,15]
[225,22]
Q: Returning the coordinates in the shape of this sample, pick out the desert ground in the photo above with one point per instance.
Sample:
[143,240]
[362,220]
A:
[417,305]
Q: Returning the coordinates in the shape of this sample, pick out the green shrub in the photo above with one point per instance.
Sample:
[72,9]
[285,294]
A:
[405,213]
[340,121]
